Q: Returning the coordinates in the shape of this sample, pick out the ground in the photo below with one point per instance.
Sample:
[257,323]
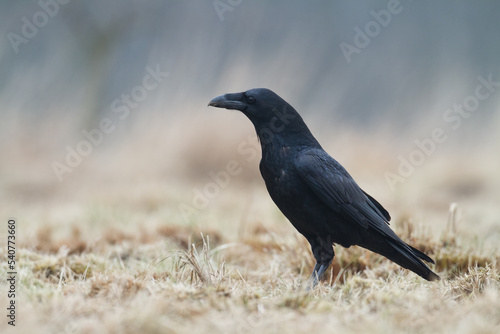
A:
[109,249]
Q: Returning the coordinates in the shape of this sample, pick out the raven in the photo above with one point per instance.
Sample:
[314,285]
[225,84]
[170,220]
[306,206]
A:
[314,191]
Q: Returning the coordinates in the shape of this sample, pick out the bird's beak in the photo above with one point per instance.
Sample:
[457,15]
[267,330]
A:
[228,101]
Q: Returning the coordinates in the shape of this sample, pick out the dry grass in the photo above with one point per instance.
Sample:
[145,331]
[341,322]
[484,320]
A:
[111,253]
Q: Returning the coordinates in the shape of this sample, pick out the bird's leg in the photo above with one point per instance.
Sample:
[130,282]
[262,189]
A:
[318,272]
[323,253]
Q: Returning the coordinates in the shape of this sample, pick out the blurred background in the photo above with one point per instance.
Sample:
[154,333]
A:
[104,105]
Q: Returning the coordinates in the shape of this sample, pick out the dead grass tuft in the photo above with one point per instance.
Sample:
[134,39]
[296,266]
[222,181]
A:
[200,266]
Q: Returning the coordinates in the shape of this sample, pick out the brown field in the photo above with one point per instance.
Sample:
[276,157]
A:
[109,251]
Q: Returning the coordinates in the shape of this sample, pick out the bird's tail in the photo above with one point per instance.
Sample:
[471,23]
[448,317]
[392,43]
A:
[406,256]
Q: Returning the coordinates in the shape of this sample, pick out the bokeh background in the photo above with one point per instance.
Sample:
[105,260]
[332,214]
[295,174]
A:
[113,166]
[63,76]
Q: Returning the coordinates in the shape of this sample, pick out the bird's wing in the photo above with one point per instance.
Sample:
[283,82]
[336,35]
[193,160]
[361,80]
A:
[338,190]
[379,206]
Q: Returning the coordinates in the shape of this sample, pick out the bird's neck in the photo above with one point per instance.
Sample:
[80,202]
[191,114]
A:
[293,136]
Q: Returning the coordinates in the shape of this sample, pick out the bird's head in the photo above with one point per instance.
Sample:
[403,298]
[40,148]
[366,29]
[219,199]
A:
[272,116]
[258,104]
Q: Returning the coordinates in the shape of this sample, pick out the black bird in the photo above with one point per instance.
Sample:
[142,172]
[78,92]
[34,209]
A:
[314,191]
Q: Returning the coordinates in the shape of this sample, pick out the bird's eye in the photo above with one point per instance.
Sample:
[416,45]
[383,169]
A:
[251,99]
